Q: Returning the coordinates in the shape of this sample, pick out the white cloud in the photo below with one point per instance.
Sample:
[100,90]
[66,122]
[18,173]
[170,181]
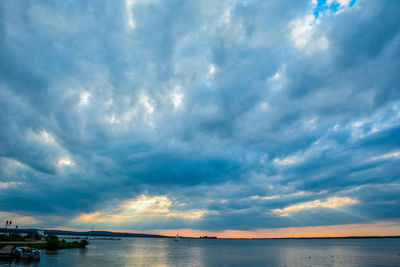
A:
[42,136]
[287,161]
[142,207]
[129,4]
[146,102]
[305,35]
[280,196]
[278,81]
[211,69]
[84,98]
[129,13]
[176,97]
[113,119]
[303,30]
[65,161]
[330,203]
[387,156]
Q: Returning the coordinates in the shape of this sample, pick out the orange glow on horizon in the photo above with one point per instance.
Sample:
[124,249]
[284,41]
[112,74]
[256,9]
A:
[380,228]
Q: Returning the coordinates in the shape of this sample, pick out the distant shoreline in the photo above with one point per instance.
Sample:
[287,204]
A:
[83,233]
[123,234]
[327,237]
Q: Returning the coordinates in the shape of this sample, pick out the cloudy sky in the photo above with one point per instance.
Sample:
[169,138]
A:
[237,118]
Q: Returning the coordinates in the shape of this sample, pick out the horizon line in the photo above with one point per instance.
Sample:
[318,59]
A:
[76,232]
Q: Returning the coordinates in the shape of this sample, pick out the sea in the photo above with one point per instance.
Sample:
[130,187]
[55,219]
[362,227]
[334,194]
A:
[226,252]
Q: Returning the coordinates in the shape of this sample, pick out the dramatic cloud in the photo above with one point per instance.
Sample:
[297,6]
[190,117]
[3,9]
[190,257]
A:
[332,203]
[205,115]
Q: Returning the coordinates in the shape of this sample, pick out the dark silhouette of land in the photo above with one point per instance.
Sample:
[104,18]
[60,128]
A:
[83,233]
[122,234]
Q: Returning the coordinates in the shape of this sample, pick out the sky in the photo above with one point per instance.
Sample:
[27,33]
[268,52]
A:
[232,118]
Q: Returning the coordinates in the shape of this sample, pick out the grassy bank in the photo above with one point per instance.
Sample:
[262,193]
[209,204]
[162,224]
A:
[52,243]
[55,243]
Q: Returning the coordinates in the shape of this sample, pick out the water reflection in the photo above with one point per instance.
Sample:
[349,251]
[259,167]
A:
[5,263]
[82,251]
[162,252]
[184,253]
[25,263]
[49,252]
[166,252]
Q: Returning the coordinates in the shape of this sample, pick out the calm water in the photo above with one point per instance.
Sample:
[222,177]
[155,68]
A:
[166,252]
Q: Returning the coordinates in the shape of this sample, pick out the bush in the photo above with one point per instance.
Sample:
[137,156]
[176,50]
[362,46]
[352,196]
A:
[83,243]
[52,242]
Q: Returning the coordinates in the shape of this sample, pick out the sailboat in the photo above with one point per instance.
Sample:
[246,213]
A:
[177,237]
[90,233]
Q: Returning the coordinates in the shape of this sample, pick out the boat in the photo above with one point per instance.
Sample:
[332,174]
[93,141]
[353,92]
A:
[177,237]
[27,253]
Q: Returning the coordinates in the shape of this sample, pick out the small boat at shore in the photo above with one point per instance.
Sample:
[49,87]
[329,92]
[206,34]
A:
[10,252]
[27,253]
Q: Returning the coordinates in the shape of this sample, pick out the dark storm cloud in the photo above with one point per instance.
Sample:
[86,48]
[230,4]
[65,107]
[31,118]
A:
[235,109]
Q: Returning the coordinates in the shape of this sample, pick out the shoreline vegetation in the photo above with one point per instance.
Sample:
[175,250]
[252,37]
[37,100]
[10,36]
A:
[52,242]
[83,233]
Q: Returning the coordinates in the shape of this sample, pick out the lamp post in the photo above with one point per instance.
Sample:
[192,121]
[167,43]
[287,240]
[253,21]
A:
[8,223]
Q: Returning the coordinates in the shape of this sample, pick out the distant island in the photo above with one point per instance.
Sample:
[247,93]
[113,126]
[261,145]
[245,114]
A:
[208,237]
